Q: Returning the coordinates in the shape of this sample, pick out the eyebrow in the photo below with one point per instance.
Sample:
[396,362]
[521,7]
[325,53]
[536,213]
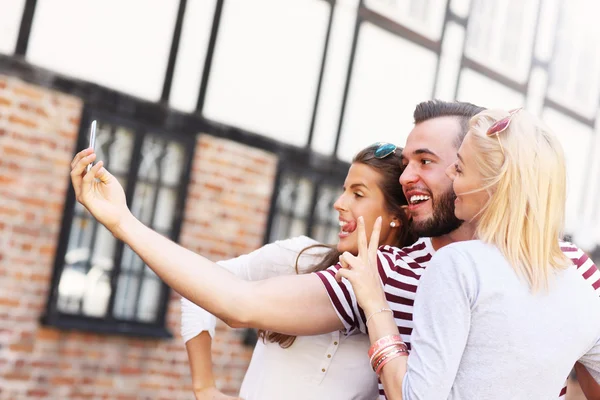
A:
[424,151]
[355,185]
[419,152]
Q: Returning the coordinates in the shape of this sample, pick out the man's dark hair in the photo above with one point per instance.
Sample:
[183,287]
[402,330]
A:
[438,108]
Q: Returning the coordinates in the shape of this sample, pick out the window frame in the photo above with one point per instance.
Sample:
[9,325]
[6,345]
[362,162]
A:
[109,324]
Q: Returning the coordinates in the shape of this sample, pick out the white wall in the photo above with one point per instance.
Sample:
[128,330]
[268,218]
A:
[120,44]
[10,21]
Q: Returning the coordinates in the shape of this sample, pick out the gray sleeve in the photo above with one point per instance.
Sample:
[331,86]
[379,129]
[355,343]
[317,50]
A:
[591,361]
[442,317]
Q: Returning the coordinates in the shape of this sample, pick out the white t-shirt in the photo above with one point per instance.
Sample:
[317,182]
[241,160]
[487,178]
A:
[331,366]
[481,333]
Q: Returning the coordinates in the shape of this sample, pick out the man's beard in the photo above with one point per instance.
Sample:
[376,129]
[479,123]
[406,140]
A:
[443,220]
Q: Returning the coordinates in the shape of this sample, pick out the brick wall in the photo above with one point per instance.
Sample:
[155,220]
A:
[226,215]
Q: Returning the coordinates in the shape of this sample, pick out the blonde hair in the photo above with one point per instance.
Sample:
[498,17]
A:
[523,170]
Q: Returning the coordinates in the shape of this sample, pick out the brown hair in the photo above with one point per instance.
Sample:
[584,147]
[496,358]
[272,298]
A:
[438,108]
[390,168]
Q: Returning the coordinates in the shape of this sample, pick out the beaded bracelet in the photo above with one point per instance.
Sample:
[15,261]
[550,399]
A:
[389,357]
[382,352]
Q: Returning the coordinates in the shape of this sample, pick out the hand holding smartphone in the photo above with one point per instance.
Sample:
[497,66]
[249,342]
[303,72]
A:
[92,141]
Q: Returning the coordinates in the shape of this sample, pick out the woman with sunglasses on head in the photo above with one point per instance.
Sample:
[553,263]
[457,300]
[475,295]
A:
[505,315]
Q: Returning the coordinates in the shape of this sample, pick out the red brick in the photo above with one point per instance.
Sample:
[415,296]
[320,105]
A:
[150,386]
[130,371]
[40,277]
[28,91]
[30,123]
[103,382]
[21,347]
[27,231]
[45,364]
[38,393]
[63,380]
[74,121]
[4,301]
[16,376]
[47,250]
[48,334]
[14,151]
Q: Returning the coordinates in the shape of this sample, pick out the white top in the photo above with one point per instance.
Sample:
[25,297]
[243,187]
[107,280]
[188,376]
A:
[480,332]
[331,366]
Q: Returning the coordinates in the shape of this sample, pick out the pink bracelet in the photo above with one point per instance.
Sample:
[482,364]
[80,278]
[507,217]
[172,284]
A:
[387,349]
[384,342]
[389,357]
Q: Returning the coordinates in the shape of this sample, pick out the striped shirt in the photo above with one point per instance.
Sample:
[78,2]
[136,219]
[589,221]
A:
[400,271]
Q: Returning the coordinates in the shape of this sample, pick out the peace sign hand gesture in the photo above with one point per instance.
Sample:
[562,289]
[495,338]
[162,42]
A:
[362,270]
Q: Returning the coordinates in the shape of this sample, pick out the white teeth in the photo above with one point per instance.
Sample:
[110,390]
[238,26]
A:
[343,223]
[415,198]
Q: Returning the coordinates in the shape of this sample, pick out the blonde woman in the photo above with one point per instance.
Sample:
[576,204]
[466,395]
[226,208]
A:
[503,316]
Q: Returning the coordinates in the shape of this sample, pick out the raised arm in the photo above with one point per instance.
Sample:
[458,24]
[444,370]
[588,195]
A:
[292,304]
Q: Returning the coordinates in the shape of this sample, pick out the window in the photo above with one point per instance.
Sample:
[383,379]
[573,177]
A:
[303,205]
[506,51]
[423,16]
[575,66]
[99,283]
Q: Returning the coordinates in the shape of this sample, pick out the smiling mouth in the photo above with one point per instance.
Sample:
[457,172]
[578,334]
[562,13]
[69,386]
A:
[418,199]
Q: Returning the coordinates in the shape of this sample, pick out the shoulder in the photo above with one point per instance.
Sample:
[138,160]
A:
[408,261]
[468,249]
[418,253]
[296,245]
[463,257]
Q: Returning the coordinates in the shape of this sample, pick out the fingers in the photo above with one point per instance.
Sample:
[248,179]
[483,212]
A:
[80,155]
[345,273]
[90,176]
[102,173]
[80,166]
[348,260]
[363,249]
[374,242]
[79,169]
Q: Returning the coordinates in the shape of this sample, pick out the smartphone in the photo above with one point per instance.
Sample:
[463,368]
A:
[92,141]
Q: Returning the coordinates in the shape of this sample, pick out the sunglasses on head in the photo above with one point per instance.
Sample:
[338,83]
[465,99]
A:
[502,125]
[384,149]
